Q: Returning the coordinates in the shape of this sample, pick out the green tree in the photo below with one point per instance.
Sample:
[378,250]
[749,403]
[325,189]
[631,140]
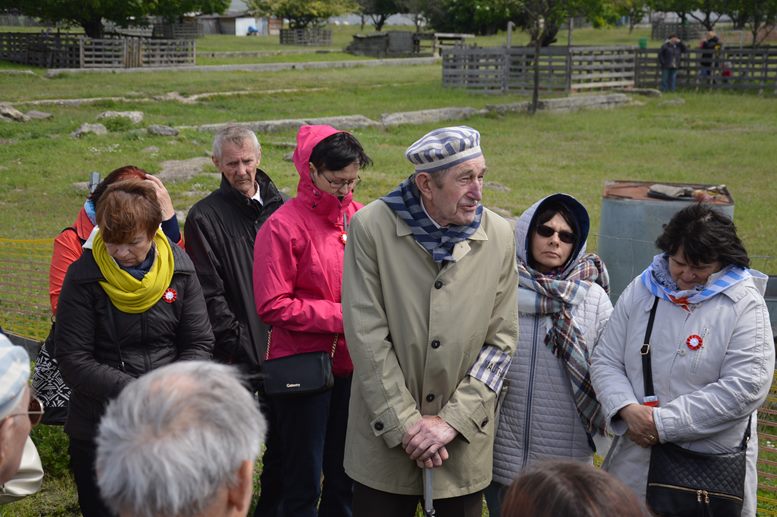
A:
[303,13]
[89,14]
[633,9]
[380,10]
[475,16]
[681,8]
[416,9]
[759,17]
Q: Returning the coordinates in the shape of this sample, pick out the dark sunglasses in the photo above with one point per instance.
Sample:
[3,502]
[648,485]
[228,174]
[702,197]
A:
[34,411]
[546,231]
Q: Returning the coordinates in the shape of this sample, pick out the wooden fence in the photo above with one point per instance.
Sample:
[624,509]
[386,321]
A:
[576,69]
[317,37]
[74,51]
[743,69]
[569,69]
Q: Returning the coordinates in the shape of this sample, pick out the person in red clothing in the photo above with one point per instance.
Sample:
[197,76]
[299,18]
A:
[68,244]
[297,283]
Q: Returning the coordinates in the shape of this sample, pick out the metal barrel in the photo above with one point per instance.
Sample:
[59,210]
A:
[631,221]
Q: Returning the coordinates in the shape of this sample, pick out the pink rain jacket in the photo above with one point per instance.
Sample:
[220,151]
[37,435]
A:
[298,265]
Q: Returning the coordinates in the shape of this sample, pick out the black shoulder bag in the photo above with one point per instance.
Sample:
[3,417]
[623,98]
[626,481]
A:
[48,384]
[684,483]
[298,374]
[46,379]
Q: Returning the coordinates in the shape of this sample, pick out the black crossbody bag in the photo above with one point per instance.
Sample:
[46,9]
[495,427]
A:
[684,483]
[298,374]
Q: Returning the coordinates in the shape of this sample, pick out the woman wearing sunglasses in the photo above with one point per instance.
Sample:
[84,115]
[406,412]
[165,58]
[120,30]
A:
[550,410]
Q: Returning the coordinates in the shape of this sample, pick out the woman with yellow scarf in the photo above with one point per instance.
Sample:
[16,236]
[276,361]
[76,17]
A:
[130,304]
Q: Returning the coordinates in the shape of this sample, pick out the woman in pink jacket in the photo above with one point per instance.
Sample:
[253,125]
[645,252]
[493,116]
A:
[298,266]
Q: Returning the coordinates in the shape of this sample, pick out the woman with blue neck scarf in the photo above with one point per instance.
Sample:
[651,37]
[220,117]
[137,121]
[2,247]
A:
[710,352]
[550,410]
[130,304]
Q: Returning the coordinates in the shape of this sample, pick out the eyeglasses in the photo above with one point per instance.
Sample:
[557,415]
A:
[339,184]
[34,411]
[546,231]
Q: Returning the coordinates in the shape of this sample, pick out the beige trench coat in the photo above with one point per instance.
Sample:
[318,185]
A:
[413,331]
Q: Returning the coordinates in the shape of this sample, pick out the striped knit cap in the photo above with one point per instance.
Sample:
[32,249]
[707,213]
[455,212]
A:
[443,148]
[14,372]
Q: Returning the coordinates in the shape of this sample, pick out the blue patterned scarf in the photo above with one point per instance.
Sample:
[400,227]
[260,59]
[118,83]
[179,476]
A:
[657,279]
[405,201]
[555,297]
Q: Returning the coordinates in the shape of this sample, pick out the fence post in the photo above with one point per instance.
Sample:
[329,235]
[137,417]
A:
[505,68]
[81,52]
[637,71]
[568,71]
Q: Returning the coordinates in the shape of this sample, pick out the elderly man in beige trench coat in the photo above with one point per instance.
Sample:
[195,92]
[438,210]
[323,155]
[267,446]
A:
[429,288]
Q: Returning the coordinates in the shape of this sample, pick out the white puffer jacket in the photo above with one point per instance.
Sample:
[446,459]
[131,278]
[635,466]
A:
[538,418]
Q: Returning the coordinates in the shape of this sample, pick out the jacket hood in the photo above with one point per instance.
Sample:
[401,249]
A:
[326,203]
[308,137]
[525,221]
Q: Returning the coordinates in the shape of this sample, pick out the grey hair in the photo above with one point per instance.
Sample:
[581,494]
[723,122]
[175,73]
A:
[235,135]
[174,437]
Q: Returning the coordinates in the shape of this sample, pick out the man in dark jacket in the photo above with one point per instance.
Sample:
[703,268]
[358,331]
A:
[669,60]
[220,231]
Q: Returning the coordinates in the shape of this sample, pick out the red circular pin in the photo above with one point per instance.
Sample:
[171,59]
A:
[170,295]
[694,342]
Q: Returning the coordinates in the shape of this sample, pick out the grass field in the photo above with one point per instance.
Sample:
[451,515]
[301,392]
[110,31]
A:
[710,138]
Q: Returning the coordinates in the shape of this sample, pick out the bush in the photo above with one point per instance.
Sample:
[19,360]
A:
[118,124]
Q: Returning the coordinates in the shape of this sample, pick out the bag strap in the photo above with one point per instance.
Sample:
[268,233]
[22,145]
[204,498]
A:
[647,368]
[746,438]
[269,338]
[72,228]
[647,373]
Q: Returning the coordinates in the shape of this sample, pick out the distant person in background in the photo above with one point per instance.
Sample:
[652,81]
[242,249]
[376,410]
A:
[130,304]
[14,403]
[669,57]
[181,441]
[550,409]
[570,489]
[710,46]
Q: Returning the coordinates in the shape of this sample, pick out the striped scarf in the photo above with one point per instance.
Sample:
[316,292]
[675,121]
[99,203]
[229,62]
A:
[556,297]
[657,279]
[405,201]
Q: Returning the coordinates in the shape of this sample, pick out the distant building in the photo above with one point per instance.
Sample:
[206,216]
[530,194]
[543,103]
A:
[237,21]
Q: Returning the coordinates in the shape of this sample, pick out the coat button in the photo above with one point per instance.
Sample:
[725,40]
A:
[378,426]
[484,422]
[430,397]
[438,284]
[435,344]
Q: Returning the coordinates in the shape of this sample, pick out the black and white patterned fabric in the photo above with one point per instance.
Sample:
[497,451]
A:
[48,385]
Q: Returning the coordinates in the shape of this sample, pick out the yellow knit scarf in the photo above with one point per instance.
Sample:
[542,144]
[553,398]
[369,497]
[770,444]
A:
[127,293]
